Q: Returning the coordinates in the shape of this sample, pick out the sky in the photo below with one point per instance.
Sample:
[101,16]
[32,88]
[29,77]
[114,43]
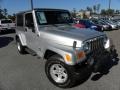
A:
[15,6]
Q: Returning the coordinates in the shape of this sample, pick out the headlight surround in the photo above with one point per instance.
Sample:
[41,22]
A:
[107,43]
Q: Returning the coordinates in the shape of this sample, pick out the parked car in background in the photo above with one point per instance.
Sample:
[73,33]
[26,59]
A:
[78,25]
[117,22]
[91,25]
[102,24]
[112,24]
[6,24]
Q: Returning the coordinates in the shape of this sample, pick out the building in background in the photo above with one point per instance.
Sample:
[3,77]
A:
[83,14]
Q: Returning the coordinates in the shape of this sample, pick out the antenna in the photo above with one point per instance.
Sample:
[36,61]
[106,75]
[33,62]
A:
[32,5]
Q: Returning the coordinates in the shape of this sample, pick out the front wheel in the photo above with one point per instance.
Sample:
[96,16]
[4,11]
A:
[59,73]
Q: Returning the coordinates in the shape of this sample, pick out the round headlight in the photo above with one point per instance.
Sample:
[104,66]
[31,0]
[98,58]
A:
[86,46]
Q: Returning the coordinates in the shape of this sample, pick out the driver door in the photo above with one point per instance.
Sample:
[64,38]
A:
[30,31]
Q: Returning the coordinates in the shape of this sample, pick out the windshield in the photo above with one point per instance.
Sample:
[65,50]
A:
[101,22]
[6,21]
[53,17]
[109,22]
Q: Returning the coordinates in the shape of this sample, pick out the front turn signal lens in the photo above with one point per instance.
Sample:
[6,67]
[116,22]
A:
[80,55]
[68,57]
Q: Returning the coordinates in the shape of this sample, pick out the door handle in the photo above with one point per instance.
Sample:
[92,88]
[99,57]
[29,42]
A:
[37,35]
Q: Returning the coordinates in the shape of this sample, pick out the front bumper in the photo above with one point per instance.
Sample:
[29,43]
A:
[99,59]
[94,61]
[96,58]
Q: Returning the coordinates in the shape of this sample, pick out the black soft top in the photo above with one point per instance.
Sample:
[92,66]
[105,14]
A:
[42,9]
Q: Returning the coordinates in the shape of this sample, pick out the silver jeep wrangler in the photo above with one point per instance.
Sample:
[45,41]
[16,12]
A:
[50,34]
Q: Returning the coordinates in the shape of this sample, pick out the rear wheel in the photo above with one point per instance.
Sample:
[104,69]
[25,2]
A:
[20,48]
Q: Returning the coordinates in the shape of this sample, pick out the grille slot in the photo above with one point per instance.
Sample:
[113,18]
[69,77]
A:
[96,44]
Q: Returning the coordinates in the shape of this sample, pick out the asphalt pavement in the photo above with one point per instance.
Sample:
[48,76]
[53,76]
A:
[26,72]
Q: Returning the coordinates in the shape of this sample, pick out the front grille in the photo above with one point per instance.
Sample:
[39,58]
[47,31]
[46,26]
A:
[95,44]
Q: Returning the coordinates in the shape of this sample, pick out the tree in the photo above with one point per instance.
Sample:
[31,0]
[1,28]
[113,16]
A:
[89,9]
[1,14]
[5,12]
[94,8]
[98,8]
[74,11]
[110,12]
[103,12]
[12,17]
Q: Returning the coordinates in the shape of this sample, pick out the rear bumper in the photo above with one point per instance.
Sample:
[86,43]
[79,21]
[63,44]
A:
[107,28]
[115,27]
[11,28]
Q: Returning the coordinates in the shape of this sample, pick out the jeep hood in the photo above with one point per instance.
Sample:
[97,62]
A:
[66,35]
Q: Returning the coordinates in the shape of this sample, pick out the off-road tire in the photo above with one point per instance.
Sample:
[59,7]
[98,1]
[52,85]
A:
[70,72]
[20,48]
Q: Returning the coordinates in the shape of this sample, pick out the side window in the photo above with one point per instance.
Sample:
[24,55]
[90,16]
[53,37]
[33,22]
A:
[19,20]
[29,20]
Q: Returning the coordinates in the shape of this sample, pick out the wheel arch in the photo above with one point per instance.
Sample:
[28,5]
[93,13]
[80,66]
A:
[22,39]
[48,53]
